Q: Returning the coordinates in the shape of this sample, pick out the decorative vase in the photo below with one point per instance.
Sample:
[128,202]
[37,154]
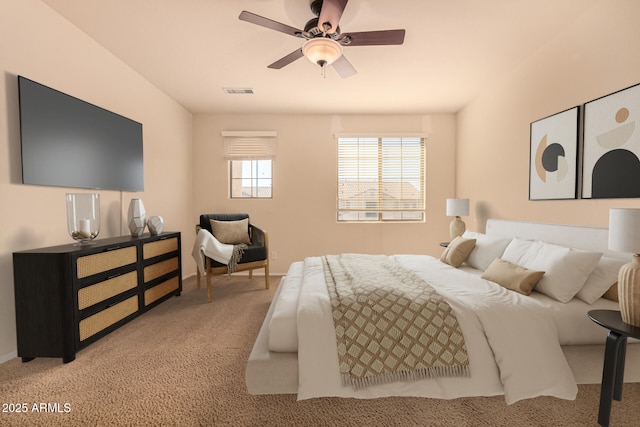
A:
[629,291]
[137,217]
[83,216]
[155,224]
[456,228]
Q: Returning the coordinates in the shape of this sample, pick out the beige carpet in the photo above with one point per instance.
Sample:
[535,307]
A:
[183,363]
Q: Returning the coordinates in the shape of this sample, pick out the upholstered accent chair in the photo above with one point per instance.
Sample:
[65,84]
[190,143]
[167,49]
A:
[256,255]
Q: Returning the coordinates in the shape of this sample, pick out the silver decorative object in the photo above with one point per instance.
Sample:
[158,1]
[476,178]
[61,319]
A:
[155,224]
[137,217]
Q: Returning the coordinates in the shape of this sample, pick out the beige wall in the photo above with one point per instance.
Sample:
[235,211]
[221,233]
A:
[592,57]
[301,216]
[39,44]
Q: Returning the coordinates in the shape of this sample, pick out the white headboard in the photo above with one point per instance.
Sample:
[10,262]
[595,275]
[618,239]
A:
[574,236]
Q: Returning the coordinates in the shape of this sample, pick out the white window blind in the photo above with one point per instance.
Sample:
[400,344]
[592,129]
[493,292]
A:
[249,145]
[381,178]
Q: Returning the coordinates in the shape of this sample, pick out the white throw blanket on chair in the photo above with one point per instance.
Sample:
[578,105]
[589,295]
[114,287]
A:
[206,245]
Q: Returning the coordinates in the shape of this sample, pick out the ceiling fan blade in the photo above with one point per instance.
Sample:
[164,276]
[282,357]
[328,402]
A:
[330,15]
[343,67]
[268,23]
[374,38]
[296,54]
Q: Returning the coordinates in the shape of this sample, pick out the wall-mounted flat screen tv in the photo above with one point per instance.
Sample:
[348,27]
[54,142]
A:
[68,142]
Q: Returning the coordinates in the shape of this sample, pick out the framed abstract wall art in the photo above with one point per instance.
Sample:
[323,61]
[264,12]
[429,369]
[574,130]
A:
[611,164]
[554,156]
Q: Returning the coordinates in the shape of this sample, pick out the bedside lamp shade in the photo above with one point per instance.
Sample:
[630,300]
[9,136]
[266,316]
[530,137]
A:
[624,230]
[624,236]
[457,208]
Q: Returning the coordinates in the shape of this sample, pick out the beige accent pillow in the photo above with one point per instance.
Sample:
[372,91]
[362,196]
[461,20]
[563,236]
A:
[612,293]
[457,251]
[512,276]
[231,232]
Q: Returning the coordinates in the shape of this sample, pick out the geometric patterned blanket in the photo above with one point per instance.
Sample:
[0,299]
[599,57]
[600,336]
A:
[390,324]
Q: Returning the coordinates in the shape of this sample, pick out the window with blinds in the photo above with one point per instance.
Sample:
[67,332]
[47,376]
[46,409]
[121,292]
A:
[250,155]
[381,178]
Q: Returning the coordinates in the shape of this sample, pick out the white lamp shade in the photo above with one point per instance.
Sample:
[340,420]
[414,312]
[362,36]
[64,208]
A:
[457,207]
[624,230]
[322,51]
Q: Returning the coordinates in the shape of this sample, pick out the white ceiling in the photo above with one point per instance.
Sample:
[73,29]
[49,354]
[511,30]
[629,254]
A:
[192,49]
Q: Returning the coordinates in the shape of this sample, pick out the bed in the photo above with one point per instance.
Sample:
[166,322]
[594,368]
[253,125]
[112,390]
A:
[519,346]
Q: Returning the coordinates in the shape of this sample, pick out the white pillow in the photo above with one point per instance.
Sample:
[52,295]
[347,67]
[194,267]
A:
[601,279]
[566,269]
[486,250]
[516,251]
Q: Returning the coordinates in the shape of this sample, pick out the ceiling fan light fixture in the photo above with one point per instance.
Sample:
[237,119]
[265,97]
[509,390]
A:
[322,51]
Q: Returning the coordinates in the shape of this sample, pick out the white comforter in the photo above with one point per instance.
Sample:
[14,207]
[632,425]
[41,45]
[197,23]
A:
[512,344]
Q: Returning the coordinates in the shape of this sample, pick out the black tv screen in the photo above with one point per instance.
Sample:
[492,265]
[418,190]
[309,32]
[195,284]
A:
[68,142]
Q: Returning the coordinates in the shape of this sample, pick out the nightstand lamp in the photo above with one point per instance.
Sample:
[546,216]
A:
[624,236]
[457,208]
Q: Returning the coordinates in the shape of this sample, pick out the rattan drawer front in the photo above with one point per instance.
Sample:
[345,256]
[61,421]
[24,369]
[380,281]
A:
[159,247]
[107,317]
[157,292]
[103,290]
[154,271]
[97,263]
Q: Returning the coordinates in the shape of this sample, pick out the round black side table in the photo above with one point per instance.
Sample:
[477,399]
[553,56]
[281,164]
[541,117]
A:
[614,358]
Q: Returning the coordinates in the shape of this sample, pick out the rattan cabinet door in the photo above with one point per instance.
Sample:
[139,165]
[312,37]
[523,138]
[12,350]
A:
[106,291]
[161,272]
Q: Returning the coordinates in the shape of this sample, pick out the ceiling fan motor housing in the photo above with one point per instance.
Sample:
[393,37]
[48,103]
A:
[316,9]
[313,30]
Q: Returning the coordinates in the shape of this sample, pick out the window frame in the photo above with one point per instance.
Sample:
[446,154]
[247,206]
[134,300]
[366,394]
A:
[255,194]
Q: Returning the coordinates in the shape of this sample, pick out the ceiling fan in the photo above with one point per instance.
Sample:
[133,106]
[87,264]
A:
[324,40]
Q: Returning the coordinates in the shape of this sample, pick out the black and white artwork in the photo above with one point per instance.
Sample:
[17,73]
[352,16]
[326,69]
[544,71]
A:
[611,159]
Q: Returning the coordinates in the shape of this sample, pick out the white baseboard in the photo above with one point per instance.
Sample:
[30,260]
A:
[8,356]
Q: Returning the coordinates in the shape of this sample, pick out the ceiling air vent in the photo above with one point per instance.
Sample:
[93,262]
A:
[238,91]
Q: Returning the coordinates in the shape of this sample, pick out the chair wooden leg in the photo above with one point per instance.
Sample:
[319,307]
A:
[266,276]
[208,287]
[250,274]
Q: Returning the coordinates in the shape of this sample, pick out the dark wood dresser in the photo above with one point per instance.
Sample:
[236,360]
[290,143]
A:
[69,296]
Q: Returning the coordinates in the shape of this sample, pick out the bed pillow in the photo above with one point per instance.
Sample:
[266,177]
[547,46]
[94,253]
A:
[516,250]
[487,249]
[457,251]
[566,269]
[601,279]
[231,232]
[512,276]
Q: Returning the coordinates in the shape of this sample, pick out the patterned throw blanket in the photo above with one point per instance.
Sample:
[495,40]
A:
[390,324]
